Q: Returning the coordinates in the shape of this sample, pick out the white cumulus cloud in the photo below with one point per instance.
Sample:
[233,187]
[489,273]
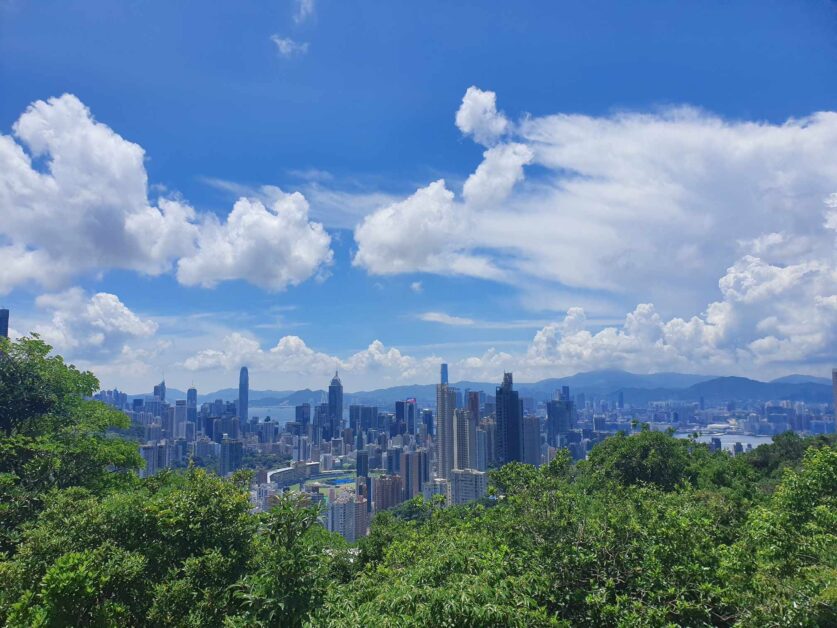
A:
[74,200]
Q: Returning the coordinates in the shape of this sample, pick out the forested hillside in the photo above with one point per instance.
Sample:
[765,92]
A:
[651,530]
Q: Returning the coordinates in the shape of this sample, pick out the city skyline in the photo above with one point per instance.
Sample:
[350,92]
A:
[312,201]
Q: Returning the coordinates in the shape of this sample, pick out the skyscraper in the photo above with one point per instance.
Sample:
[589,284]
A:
[160,390]
[834,390]
[4,323]
[243,395]
[464,440]
[509,412]
[531,428]
[559,419]
[445,405]
[335,407]
[231,454]
[444,374]
[192,405]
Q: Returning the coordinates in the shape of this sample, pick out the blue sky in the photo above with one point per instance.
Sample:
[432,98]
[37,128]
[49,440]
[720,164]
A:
[657,165]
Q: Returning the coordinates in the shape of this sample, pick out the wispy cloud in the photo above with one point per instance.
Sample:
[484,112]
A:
[287,47]
[446,319]
[417,287]
[304,10]
[459,321]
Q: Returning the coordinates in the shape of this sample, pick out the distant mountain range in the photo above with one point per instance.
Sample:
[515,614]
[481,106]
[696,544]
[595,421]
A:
[605,384]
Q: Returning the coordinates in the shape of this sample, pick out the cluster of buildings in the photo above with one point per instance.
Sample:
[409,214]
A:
[360,459]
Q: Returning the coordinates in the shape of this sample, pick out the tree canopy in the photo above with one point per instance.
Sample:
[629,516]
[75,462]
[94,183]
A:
[649,531]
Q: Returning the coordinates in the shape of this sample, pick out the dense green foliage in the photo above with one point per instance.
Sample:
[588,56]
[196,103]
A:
[650,530]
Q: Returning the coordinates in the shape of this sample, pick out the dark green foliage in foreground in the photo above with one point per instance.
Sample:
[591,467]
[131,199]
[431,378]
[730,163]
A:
[650,531]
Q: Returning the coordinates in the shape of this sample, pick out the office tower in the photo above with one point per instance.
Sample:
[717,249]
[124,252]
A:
[399,425]
[160,391]
[620,403]
[387,492]
[509,428]
[231,454]
[427,419]
[393,465]
[321,423]
[180,418]
[532,440]
[559,420]
[302,414]
[464,440]
[415,471]
[411,419]
[362,466]
[565,393]
[444,374]
[4,323]
[243,394]
[335,407]
[368,417]
[445,405]
[468,485]
[192,405]
[354,418]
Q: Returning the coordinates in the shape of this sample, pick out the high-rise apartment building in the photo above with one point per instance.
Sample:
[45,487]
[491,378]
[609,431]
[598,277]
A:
[387,492]
[464,440]
[445,406]
[468,485]
[415,471]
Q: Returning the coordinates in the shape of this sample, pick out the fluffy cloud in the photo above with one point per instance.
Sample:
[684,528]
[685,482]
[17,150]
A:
[426,232]
[95,326]
[478,116]
[271,248]
[74,200]
[626,205]
[500,170]
[770,318]
[292,355]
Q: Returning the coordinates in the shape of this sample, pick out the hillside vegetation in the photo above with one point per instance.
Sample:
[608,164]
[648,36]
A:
[650,531]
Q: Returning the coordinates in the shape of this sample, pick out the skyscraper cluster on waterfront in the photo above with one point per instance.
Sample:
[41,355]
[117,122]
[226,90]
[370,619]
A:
[357,458]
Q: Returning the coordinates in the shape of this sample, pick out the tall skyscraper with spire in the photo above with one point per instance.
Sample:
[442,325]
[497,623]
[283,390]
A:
[243,395]
[335,407]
